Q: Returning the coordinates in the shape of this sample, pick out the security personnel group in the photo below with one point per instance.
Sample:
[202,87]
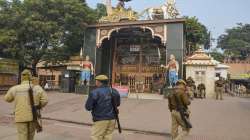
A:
[103,102]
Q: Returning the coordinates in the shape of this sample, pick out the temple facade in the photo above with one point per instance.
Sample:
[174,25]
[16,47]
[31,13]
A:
[130,50]
[134,51]
[201,68]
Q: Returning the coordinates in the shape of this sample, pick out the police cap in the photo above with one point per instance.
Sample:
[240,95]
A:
[181,82]
[101,78]
[26,75]
[26,72]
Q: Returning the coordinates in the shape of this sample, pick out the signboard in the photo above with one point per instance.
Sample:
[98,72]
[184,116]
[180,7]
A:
[66,75]
[8,66]
[241,76]
[135,48]
[74,67]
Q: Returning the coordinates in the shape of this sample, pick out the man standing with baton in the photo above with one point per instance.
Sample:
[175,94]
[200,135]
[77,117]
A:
[103,103]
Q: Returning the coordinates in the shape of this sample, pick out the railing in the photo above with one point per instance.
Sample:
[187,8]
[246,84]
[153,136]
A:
[4,89]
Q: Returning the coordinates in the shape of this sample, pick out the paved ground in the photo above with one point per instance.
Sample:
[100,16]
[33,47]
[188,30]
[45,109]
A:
[212,120]
[64,131]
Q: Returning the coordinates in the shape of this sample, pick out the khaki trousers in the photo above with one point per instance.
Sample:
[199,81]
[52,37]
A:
[26,130]
[190,91]
[219,91]
[103,130]
[176,122]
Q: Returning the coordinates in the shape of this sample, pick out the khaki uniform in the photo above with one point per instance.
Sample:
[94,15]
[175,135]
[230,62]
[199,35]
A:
[176,117]
[102,130]
[242,90]
[201,90]
[23,114]
[219,89]
[190,87]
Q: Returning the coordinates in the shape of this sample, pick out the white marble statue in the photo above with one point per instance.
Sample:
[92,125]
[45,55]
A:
[168,10]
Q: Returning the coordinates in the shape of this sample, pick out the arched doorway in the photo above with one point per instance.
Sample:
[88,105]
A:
[134,55]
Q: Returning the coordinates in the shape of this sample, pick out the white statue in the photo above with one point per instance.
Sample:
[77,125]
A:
[171,2]
[171,9]
[168,10]
[173,70]
[87,71]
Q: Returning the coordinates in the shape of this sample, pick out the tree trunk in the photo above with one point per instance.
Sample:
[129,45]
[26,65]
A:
[33,68]
[20,69]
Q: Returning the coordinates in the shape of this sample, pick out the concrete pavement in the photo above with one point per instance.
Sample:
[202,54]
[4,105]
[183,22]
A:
[54,130]
[215,120]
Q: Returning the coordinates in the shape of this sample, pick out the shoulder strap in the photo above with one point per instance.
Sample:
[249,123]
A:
[31,97]
[111,94]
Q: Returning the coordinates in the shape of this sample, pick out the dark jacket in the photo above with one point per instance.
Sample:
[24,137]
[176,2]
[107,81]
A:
[100,104]
[182,98]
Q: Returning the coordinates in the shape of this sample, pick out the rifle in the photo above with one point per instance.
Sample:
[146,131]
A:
[35,111]
[183,112]
[116,110]
[113,100]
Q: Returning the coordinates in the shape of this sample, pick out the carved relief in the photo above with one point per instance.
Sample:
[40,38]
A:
[156,30]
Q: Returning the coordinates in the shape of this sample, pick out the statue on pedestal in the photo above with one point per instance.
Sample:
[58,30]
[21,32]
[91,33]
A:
[87,71]
[173,69]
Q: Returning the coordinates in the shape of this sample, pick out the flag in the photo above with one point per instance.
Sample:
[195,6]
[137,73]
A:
[159,53]
[81,52]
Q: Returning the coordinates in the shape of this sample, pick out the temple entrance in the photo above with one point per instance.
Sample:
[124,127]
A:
[136,58]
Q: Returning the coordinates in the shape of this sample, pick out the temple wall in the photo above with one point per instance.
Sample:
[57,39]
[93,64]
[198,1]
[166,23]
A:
[239,70]
[175,43]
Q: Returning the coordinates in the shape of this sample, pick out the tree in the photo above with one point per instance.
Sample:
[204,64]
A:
[236,41]
[32,29]
[197,34]
[217,55]
[100,10]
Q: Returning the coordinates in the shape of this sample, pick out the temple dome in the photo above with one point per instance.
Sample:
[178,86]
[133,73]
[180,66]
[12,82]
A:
[200,58]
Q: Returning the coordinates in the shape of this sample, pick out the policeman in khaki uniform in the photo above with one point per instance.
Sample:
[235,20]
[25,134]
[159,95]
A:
[179,93]
[190,87]
[219,88]
[100,104]
[23,114]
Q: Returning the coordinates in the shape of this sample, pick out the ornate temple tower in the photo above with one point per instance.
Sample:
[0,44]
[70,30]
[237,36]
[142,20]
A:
[109,7]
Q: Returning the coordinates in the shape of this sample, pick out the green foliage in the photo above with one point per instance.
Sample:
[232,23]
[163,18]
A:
[196,33]
[101,10]
[31,30]
[236,41]
[217,55]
